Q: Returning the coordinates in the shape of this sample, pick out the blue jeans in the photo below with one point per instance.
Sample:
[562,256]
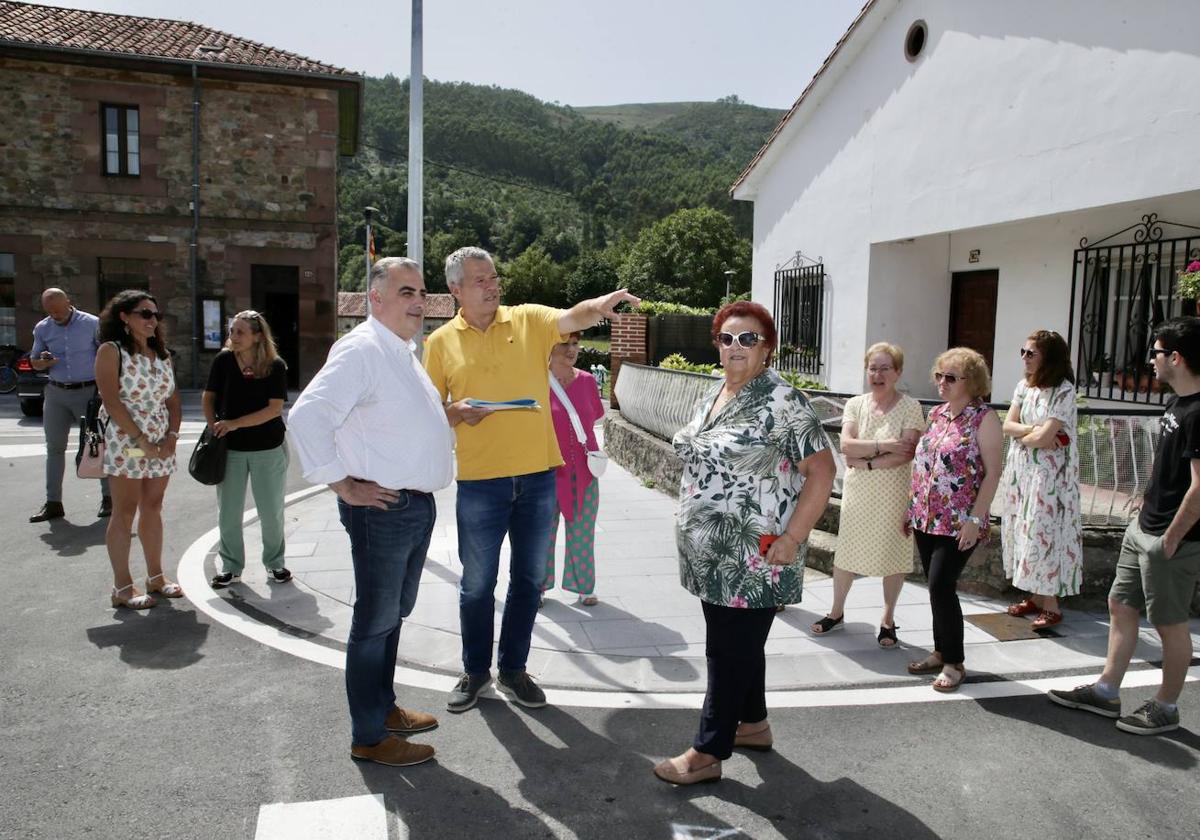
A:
[523,507]
[388,548]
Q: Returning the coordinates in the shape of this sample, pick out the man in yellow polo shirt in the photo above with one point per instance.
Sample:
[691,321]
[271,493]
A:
[506,460]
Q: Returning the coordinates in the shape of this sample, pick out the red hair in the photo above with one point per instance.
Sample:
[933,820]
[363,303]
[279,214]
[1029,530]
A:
[747,309]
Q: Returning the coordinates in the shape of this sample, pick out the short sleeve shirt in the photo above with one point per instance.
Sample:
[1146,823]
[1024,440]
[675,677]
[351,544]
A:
[740,482]
[1171,475]
[508,361]
[238,395]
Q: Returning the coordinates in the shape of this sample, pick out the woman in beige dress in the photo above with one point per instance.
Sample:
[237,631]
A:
[880,430]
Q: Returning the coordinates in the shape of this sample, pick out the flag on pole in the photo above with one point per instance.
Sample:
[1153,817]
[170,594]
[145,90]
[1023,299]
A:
[371,245]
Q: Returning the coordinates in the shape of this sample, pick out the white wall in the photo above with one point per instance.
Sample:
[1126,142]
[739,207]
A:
[1016,110]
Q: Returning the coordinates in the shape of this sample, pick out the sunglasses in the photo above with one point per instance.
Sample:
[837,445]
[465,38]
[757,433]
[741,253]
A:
[1158,351]
[1027,353]
[147,313]
[745,339]
[948,378]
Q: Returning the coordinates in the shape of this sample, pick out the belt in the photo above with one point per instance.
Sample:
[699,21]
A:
[72,386]
[411,492]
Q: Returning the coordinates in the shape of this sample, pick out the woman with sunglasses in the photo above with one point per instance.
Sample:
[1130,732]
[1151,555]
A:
[757,473]
[1041,530]
[243,403]
[879,435]
[140,415]
[955,473]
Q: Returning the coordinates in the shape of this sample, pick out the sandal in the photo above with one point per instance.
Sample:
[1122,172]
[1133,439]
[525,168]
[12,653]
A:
[137,601]
[888,633]
[827,624]
[164,587]
[927,665]
[1047,619]
[1026,607]
[947,684]
[588,600]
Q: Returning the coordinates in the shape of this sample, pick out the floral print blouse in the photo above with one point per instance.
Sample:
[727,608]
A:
[947,470]
[740,482]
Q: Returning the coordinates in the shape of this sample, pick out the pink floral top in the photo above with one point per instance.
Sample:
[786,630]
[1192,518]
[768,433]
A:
[947,470]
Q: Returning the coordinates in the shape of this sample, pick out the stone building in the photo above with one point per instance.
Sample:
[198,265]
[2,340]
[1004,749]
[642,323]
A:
[160,154]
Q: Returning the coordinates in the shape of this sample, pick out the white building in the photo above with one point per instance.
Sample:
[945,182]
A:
[944,165]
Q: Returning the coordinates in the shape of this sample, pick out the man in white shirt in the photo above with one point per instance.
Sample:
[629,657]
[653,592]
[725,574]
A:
[372,427]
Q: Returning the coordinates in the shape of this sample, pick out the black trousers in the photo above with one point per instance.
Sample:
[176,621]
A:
[737,671]
[943,562]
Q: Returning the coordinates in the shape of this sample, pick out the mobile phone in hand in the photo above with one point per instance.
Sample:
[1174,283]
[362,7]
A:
[1063,438]
[765,542]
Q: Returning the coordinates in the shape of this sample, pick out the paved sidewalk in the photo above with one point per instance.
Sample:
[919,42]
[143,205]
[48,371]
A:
[647,632]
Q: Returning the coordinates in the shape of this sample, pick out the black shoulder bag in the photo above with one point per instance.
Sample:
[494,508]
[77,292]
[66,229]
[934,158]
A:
[207,464]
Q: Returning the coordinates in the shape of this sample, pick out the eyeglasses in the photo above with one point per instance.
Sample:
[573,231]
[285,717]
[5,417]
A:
[745,339]
[1026,353]
[1157,351]
[147,313]
[948,378]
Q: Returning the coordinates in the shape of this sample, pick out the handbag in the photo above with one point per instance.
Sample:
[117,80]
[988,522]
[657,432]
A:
[89,460]
[597,461]
[207,464]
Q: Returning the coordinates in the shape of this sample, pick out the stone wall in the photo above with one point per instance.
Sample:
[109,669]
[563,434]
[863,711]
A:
[653,460]
[268,167]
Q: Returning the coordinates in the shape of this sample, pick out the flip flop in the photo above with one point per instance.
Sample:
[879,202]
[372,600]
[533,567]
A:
[950,685]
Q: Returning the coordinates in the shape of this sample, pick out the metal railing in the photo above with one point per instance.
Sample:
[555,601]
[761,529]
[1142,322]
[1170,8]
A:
[1116,447]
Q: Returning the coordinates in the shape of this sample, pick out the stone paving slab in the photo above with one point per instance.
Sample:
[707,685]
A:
[647,633]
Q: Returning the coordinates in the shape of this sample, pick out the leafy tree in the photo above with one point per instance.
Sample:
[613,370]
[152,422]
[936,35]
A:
[684,257]
[532,278]
[352,263]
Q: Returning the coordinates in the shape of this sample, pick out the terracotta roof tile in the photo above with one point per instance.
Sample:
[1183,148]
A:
[439,306]
[352,305]
[52,27]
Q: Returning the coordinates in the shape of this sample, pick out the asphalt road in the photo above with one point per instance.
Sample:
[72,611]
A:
[162,724]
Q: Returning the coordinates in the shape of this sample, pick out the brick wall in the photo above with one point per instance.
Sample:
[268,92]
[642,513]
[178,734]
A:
[268,168]
[628,345]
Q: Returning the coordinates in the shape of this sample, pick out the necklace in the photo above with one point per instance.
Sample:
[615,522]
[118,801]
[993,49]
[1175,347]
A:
[564,380]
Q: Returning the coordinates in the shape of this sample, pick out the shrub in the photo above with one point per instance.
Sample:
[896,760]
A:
[589,356]
[659,307]
[676,361]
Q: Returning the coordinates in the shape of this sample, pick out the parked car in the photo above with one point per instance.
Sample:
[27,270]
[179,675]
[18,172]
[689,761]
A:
[31,387]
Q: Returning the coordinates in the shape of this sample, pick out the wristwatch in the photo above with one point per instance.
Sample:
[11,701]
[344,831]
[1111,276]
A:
[975,520]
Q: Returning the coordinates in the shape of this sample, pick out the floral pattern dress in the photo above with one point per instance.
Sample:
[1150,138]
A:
[1040,528]
[947,471]
[739,483]
[145,385]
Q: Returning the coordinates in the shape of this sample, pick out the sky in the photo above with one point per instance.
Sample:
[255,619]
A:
[575,52]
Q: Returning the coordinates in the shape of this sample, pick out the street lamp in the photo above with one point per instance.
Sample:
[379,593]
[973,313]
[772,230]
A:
[729,272]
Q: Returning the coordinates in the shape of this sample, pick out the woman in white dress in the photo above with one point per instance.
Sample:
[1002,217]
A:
[1041,529]
[880,430]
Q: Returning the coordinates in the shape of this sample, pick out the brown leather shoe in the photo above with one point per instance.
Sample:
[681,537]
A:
[50,510]
[392,751]
[761,740]
[408,722]
[669,771]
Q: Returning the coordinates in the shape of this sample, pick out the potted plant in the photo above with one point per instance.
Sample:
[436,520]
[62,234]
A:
[1189,287]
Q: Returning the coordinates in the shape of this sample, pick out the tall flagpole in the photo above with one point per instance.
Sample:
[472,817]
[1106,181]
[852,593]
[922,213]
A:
[416,143]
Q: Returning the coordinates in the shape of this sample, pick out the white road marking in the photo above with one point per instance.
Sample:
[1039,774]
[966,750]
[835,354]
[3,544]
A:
[361,817]
[191,576]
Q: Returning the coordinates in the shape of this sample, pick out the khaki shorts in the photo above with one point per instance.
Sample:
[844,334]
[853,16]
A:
[1145,579]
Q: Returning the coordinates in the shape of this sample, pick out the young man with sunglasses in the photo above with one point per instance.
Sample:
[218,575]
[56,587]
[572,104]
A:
[64,343]
[1160,554]
[506,461]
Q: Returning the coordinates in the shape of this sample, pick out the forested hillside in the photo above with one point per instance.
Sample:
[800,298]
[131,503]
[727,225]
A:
[566,198]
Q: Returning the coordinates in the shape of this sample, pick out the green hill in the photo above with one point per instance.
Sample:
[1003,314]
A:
[507,171]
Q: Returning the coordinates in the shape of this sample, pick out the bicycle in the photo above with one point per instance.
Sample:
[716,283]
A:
[9,354]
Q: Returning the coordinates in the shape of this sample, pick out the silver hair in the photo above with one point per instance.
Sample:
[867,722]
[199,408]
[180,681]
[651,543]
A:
[456,261]
[382,268]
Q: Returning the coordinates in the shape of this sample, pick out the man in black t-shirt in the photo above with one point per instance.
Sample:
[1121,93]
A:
[1160,554]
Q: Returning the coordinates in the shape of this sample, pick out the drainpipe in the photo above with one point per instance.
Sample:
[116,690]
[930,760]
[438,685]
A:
[197,315]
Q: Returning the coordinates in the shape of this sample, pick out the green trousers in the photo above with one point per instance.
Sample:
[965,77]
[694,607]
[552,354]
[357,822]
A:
[579,561]
[267,471]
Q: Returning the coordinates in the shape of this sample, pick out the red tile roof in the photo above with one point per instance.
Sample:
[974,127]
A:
[837,48]
[354,305]
[51,27]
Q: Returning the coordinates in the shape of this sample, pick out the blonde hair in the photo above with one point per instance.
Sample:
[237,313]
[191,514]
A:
[892,351]
[974,369]
[265,352]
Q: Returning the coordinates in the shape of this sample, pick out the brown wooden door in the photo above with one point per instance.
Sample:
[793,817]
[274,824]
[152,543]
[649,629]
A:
[973,311]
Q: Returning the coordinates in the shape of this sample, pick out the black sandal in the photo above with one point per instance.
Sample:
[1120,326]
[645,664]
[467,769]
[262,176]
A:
[826,624]
[888,633]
